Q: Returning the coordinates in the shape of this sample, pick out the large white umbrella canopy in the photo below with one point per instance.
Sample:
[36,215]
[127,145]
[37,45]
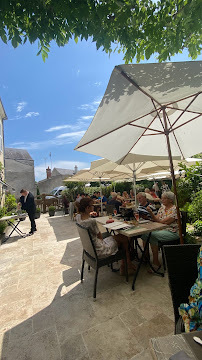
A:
[148,109]
[88,175]
[130,117]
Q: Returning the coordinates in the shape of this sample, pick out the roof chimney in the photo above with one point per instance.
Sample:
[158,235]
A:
[75,169]
[48,173]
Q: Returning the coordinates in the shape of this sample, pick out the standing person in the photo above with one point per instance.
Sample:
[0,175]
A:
[156,189]
[164,187]
[27,203]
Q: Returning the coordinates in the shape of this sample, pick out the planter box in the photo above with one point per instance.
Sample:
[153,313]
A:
[51,213]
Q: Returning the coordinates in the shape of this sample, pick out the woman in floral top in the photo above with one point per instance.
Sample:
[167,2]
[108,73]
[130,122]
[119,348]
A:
[167,214]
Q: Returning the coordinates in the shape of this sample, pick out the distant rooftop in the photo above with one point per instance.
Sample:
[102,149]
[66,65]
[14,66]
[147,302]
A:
[64,171]
[17,154]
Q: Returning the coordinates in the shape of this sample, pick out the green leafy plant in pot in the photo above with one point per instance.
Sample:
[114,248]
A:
[51,210]
[37,213]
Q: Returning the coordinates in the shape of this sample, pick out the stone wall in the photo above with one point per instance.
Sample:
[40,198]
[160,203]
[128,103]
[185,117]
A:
[20,174]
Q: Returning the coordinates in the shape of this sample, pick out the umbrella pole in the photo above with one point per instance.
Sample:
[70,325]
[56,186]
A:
[134,186]
[173,176]
[101,197]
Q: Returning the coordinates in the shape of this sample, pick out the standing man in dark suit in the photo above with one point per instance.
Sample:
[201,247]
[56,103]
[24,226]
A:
[27,203]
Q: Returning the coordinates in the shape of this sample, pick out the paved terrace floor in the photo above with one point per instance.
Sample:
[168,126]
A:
[46,313]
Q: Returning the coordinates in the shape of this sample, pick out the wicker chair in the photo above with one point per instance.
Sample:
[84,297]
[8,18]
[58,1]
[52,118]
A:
[90,256]
[181,263]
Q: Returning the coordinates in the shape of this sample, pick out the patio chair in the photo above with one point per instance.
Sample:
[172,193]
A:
[90,256]
[109,209]
[161,244]
[181,263]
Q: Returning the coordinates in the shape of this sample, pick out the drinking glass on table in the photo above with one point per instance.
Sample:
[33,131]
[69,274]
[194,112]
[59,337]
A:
[137,217]
[115,212]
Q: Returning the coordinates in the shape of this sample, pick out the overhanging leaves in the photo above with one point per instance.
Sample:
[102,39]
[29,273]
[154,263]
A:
[140,28]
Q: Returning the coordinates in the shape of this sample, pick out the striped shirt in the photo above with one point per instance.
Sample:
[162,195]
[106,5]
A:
[142,210]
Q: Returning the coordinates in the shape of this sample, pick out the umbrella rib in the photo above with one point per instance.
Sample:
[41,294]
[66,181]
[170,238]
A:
[177,127]
[158,115]
[135,84]
[143,127]
[189,111]
[175,136]
[183,111]
[138,139]
[186,97]
[119,127]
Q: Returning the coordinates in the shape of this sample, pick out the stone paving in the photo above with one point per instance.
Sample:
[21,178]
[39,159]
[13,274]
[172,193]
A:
[46,313]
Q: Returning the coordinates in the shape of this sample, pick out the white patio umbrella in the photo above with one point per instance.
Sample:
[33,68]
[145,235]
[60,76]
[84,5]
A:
[149,109]
[144,165]
[87,175]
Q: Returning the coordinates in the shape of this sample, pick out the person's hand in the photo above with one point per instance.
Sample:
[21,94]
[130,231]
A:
[149,209]
[19,206]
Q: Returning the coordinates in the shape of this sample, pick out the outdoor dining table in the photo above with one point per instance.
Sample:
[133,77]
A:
[163,348]
[14,226]
[134,231]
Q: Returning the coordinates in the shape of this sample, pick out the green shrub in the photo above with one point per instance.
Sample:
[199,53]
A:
[195,208]
[51,208]
[198,228]
[38,210]
[2,223]
[10,203]
[189,238]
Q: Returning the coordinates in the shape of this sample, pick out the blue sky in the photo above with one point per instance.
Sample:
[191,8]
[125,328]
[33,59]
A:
[50,105]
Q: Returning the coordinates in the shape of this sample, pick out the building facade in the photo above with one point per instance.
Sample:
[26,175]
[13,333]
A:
[54,179]
[19,170]
[2,176]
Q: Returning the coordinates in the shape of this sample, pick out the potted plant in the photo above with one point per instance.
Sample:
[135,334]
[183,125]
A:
[51,210]
[37,213]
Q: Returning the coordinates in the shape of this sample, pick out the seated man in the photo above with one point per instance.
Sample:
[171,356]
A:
[104,199]
[94,196]
[142,208]
[115,202]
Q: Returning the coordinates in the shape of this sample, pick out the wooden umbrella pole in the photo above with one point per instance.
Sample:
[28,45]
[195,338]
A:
[173,175]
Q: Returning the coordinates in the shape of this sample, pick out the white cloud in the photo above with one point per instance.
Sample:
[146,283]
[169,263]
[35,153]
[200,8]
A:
[78,72]
[40,170]
[63,139]
[31,113]
[91,106]
[90,117]
[98,83]
[75,135]
[20,106]
[61,127]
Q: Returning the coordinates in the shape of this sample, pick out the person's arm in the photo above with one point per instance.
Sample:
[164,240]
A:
[168,220]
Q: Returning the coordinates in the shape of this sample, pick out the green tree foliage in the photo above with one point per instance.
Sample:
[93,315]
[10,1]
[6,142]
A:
[195,209]
[73,188]
[10,203]
[188,186]
[138,28]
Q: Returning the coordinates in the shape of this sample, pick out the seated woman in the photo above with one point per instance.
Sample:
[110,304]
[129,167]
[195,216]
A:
[109,245]
[167,214]
[192,313]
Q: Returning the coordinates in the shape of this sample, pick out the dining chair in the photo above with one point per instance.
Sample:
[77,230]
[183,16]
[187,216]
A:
[109,209]
[161,244]
[90,256]
[181,261]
